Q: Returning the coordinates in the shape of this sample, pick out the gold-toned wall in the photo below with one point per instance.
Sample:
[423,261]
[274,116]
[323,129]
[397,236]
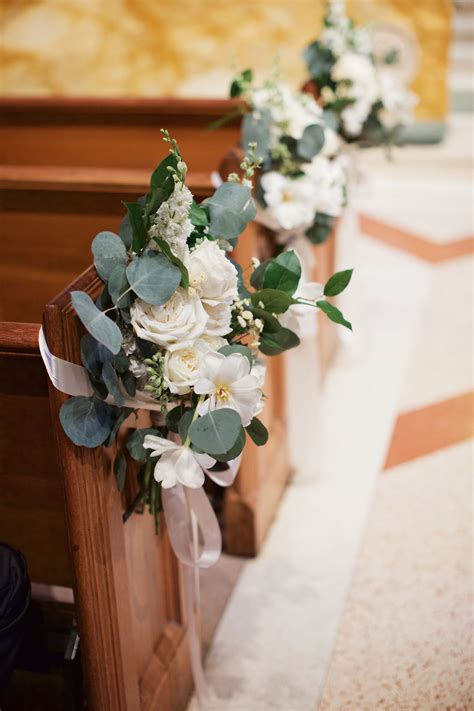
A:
[188,47]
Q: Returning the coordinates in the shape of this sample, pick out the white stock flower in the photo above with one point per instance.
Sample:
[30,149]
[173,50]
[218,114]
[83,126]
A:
[356,76]
[290,113]
[289,201]
[397,100]
[177,463]
[176,324]
[329,181]
[172,221]
[228,383]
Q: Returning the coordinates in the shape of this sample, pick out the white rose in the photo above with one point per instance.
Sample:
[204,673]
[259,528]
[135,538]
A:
[219,319]
[181,367]
[212,274]
[176,324]
[213,343]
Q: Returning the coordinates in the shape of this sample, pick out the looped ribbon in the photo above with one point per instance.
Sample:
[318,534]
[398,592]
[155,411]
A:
[192,526]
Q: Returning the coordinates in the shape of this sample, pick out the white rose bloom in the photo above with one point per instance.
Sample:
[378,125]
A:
[172,221]
[212,274]
[181,367]
[290,201]
[176,324]
[228,383]
[220,316]
[213,343]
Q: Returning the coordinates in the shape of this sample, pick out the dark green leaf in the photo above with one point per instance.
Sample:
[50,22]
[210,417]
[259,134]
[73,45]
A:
[271,324]
[311,142]
[103,301]
[120,470]
[87,421]
[237,348]
[153,277]
[258,432]
[94,355]
[129,383]
[98,324]
[273,300]
[258,274]
[139,231]
[217,431]
[111,380]
[333,314]
[121,416]
[166,249]
[126,233]
[184,423]
[275,343]
[283,273]
[320,229]
[173,417]
[320,61]
[135,443]
[337,283]
[109,252]
[198,215]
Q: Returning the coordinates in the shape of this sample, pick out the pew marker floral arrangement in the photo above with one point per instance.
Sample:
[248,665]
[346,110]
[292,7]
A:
[302,183]
[365,102]
[178,326]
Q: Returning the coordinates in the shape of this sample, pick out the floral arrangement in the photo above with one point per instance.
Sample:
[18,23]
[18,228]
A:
[302,184]
[364,101]
[178,330]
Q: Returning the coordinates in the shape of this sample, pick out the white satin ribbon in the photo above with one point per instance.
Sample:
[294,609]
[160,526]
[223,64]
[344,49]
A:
[191,523]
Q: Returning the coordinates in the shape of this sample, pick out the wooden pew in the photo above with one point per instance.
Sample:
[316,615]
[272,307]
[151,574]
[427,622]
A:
[54,213]
[113,133]
[60,506]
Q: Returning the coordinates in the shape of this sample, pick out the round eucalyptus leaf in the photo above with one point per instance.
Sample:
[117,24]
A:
[153,277]
[97,323]
[231,208]
[217,431]
[311,142]
[87,421]
[109,251]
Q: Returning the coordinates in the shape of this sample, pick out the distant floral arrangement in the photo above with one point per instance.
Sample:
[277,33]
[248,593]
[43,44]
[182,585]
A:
[176,329]
[361,99]
[302,183]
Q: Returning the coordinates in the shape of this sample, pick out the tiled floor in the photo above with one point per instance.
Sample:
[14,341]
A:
[366,571]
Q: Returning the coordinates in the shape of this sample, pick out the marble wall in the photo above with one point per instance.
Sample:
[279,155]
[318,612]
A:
[187,47]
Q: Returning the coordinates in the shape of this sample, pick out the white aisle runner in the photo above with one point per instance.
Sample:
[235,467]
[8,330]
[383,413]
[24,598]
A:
[273,644]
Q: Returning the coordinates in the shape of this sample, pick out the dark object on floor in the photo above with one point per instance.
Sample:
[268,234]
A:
[14,604]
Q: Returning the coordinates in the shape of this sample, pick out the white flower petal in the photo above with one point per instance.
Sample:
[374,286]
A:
[158,444]
[188,471]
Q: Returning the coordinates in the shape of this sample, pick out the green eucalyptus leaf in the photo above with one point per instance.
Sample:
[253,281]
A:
[121,416]
[185,423]
[231,208]
[104,301]
[333,314]
[283,273]
[137,224]
[244,293]
[135,443]
[276,343]
[320,229]
[97,323]
[166,249]
[118,285]
[274,301]
[337,283]
[129,383]
[237,348]
[153,277]
[111,380]
[87,421]
[109,252]
[217,431]
[120,470]
[320,60]
[311,142]
[94,354]
[258,432]
[233,451]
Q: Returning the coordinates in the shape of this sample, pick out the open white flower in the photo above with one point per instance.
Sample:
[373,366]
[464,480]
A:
[329,181]
[228,383]
[176,324]
[290,201]
[177,463]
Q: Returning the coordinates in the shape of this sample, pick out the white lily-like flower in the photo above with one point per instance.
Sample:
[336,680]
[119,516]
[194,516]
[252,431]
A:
[177,463]
[228,383]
